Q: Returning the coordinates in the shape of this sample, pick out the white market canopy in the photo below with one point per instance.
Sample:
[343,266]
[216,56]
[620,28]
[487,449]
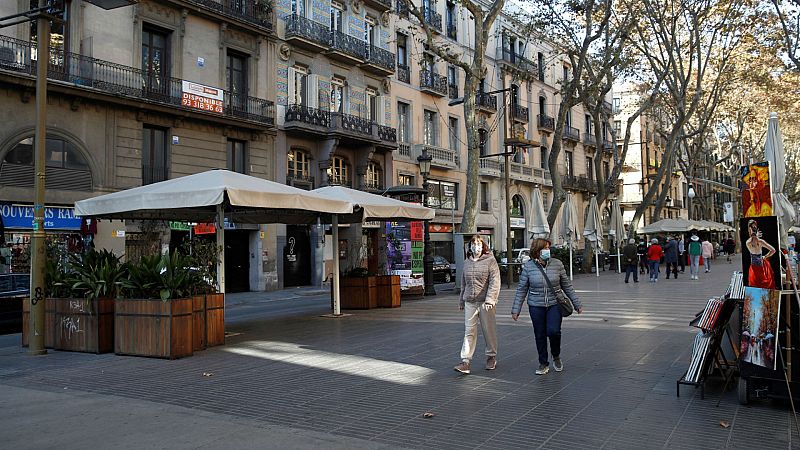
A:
[374,207]
[245,199]
[683,226]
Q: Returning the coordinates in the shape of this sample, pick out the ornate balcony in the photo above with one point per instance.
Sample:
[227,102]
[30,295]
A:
[520,172]
[380,5]
[126,84]
[346,127]
[300,180]
[486,102]
[346,48]
[520,113]
[452,90]
[403,73]
[490,168]
[306,33]
[589,140]
[379,61]
[571,134]
[372,186]
[518,64]
[258,13]
[432,83]
[433,19]
[442,157]
[608,146]
[579,183]
[404,150]
[546,123]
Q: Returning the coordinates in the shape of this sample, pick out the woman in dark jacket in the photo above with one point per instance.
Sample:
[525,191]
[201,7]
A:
[542,306]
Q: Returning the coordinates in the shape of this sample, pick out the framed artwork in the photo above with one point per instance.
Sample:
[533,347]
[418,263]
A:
[760,315]
[756,194]
[760,264]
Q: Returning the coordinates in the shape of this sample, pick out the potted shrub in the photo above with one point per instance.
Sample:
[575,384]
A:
[208,305]
[154,317]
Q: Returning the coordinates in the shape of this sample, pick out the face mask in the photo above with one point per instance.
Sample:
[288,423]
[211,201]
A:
[476,249]
[544,255]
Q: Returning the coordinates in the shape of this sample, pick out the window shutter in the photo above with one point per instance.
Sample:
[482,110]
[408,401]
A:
[313,91]
[291,95]
[381,110]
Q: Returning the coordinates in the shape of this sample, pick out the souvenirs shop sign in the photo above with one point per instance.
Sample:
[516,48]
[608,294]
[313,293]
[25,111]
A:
[55,218]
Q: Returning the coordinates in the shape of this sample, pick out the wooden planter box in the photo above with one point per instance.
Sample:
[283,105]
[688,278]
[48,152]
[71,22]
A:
[208,321]
[389,291]
[359,292]
[82,326]
[49,322]
[144,327]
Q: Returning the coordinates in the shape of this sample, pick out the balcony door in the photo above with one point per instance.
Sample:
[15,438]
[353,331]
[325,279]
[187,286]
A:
[337,11]
[236,77]
[155,62]
[369,34]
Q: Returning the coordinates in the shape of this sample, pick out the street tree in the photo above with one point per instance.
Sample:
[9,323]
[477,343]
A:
[483,16]
[788,15]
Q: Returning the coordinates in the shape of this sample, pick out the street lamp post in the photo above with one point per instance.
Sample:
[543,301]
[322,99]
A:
[43,15]
[424,161]
[690,194]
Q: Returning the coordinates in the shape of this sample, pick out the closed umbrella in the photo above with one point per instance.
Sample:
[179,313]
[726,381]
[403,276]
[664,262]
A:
[593,230]
[617,229]
[565,229]
[538,224]
[773,150]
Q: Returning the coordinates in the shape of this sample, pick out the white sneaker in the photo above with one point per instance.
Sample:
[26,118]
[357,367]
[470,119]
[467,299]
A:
[543,369]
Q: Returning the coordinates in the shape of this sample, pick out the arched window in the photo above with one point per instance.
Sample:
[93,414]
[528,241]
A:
[339,172]
[517,206]
[65,163]
[373,179]
[298,163]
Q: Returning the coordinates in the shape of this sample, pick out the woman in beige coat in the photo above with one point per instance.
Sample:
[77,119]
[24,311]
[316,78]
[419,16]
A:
[480,287]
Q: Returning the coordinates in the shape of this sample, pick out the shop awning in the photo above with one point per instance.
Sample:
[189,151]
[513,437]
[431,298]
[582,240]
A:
[375,207]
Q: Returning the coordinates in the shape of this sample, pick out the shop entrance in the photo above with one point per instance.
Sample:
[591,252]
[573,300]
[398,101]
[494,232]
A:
[297,257]
[237,261]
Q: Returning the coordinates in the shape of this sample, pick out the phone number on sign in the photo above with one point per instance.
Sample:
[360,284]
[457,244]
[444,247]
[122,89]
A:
[206,104]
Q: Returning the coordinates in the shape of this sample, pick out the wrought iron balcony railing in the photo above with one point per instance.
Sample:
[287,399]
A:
[520,113]
[349,45]
[403,73]
[340,122]
[486,102]
[352,124]
[386,133]
[571,133]
[579,183]
[452,90]
[311,116]
[432,18]
[304,28]
[123,81]
[433,82]
[380,5]
[546,122]
[372,185]
[589,140]
[402,8]
[380,57]
[522,63]
[257,12]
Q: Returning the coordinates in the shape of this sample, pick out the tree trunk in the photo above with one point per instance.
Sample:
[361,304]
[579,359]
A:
[468,224]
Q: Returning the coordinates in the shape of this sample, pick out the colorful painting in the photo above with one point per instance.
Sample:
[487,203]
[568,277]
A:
[760,264]
[756,194]
[760,313]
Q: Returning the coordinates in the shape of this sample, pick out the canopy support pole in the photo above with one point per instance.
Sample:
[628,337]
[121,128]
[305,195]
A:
[220,225]
[569,242]
[597,258]
[337,310]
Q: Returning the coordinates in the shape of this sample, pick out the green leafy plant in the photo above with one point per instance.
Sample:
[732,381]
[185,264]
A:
[143,278]
[202,255]
[96,274]
[177,280]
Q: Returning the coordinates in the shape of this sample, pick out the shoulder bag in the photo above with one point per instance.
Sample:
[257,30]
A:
[564,303]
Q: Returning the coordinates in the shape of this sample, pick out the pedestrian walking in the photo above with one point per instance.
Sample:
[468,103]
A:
[654,255]
[730,248]
[631,259]
[641,250]
[541,276]
[707,250]
[671,256]
[480,287]
[695,250]
[682,253]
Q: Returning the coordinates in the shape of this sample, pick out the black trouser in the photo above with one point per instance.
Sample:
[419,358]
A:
[674,266]
[643,266]
[682,260]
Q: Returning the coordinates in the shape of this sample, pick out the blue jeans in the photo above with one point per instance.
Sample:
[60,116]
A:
[695,264]
[654,269]
[631,269]
[546,324]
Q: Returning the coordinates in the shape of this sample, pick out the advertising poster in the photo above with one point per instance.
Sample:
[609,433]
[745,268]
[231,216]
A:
[760,264]
[198,96]
[760,313]
[756,195]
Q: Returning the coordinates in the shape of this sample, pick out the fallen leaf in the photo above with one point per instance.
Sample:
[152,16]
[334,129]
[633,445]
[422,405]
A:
[208,374]
[428,415]
[724,423]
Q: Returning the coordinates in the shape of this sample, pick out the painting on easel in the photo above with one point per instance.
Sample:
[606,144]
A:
[756,193]
[760,312]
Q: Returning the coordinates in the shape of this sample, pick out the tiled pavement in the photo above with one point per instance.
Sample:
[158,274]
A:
[366,379]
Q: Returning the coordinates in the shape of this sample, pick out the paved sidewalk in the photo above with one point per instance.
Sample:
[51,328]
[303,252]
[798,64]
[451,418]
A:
[288,378]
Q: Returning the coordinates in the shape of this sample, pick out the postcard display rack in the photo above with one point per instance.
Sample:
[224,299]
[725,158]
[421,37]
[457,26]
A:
[707,355]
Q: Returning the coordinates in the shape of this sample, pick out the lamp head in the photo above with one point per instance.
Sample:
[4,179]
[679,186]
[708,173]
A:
[424,161]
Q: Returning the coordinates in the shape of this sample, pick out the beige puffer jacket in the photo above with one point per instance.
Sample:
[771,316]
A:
[480,280]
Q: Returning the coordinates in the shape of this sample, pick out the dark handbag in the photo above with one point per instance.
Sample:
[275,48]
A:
[564,303]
